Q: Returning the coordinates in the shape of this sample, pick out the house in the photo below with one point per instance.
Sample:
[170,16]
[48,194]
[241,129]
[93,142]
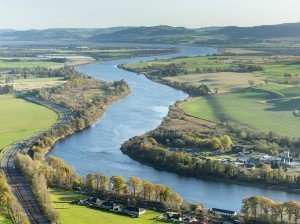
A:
[107,205]
[238,149]
[79,202]
[222,212]
[134,210]
[173,216]
[94,201]
[77,188]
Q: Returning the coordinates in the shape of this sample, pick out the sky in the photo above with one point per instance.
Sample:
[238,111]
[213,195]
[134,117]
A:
[41,14]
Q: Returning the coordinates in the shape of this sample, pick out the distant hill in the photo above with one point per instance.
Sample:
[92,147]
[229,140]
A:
[2,31]
[159,34]
[156,34]
[209,35]
[266,31]
[56,34]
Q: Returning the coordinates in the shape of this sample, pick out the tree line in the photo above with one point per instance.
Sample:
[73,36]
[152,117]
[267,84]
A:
[264,141]
[264,209]
[146,150]
[56,173]
[9,206]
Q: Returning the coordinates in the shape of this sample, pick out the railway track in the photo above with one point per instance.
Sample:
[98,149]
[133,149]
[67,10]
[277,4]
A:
[22,190]
[20,187]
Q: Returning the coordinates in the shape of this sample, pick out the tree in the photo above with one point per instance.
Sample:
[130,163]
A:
[158,188]
[101,182]
[118,183]
[266,205]
[89,183]
[80,124]
[165,195]
[251,82]
[289,209]
[135,183]
[148,189]
[176,199]
[278,210]
[266,81]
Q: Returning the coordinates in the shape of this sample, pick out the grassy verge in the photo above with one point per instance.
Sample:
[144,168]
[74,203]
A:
[81,214]
[20,119]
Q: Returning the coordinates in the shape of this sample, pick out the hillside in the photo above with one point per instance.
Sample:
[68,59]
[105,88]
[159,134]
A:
[55,34]
[266,31]
[156,34]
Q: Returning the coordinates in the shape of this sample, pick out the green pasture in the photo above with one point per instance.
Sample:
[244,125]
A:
[260,110]
[274,67]
[19,119]
[4,220]
[27,64]
[73,214]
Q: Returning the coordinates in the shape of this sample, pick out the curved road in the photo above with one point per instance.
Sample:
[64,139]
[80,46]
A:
[20,187]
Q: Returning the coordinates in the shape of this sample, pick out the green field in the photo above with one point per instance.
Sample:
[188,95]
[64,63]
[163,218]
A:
[27,64]
[4,220]
[20,119]
[274,67]
[260,110]
[73,214]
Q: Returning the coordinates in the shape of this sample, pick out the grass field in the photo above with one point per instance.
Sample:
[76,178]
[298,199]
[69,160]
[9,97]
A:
[4,220]
[34,83]
[274,67]
[71,214]
[259,110]
[27,64]
[20,119]
[224,81]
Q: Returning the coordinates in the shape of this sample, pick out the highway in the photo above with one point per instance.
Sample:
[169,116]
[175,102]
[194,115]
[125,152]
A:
[20,187]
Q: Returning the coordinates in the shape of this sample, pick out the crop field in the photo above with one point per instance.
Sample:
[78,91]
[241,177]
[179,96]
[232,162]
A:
[73,214]
[20,119]
[224,81]
[260,110]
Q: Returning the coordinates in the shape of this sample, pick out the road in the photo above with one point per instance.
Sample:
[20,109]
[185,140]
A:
[19,185]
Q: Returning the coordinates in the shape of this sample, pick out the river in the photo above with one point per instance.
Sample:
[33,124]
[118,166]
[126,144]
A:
[97,149]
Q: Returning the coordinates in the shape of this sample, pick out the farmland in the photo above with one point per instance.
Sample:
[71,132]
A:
[81,214]
[34,83]
[20,119]
[273,97]
[257,110]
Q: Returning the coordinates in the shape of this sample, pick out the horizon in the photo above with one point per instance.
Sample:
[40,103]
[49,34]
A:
[33,14]
[49,28]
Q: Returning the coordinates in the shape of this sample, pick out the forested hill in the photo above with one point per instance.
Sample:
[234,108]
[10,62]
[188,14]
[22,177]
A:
[55,34]
[210,35]
[159,34]
[156,34]
[266,31]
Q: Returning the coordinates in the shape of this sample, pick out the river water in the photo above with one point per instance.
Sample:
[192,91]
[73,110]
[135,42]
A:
[97,149]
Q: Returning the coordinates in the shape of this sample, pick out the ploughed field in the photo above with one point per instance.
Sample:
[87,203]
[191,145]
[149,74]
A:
[20,119]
